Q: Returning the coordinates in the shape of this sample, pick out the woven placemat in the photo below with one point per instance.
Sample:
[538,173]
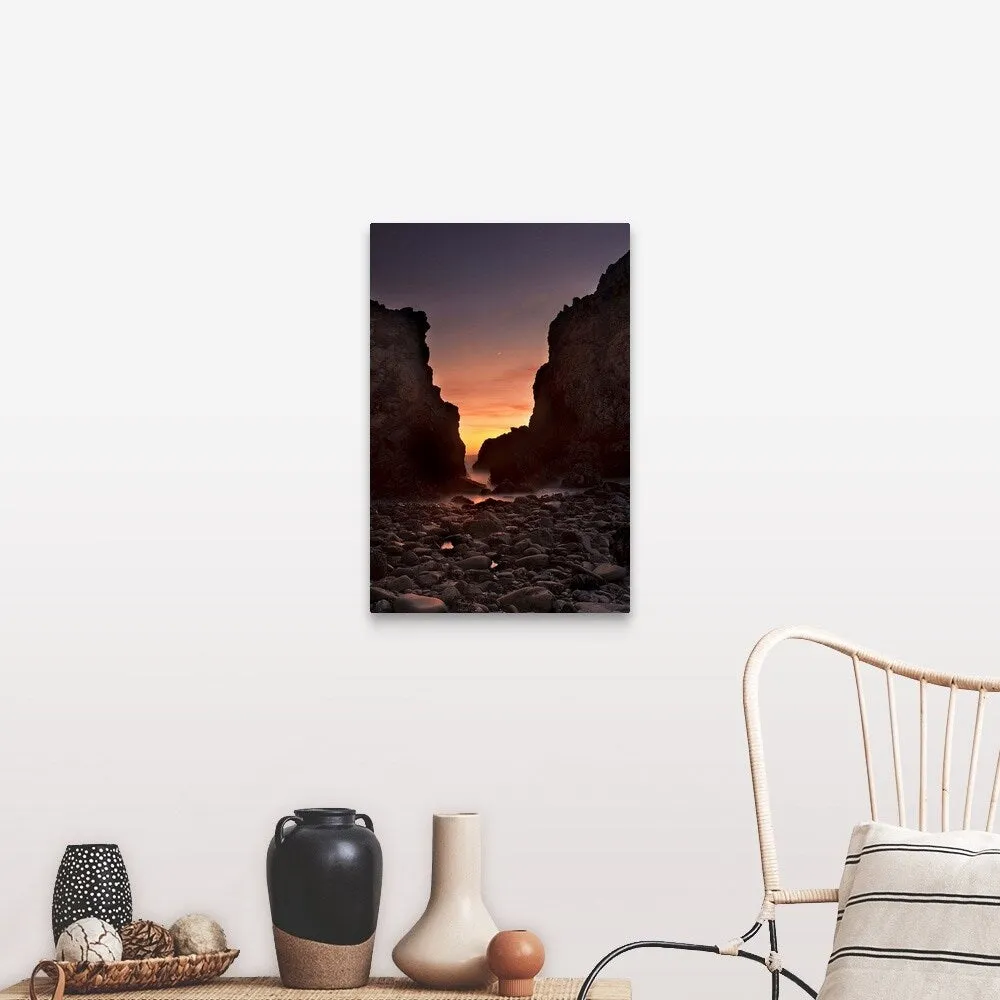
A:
[266,988]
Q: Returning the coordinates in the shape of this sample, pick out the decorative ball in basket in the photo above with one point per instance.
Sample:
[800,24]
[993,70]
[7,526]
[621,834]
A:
[89,940]
[144,939]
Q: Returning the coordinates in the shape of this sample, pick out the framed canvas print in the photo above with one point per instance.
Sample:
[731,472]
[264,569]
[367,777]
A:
[499,418]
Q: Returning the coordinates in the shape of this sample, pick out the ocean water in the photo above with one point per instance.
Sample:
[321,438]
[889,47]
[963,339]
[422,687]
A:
[481,476]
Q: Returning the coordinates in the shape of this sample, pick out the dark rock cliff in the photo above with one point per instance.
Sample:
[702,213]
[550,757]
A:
[414,440]
[579,427]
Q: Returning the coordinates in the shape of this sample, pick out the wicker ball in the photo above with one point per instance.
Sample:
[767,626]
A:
[89,940]
[197,934]
[144,939]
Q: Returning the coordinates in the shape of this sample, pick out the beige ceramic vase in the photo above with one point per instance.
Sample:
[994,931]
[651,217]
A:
[446,948]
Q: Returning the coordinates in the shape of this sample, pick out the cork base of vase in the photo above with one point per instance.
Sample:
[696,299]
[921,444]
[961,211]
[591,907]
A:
[313,965]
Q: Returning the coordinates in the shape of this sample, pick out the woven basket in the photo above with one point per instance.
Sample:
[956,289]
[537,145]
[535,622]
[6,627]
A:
[132,974]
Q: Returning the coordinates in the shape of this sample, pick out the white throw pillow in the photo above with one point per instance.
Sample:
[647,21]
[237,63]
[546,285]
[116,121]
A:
[918,917]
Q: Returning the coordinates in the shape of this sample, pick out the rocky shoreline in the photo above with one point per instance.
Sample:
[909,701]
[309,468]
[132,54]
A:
[563,552]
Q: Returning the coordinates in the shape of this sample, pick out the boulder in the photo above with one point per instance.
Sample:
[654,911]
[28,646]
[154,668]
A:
[474,562]
[417,603]
[533,561]
[610,573]
[483,525]
[619,544]
[379,564]
[527,599]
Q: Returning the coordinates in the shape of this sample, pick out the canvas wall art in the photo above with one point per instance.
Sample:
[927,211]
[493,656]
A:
[499,418]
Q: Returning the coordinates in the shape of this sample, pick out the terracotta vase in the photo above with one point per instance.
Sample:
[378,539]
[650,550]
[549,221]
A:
[446,948]
[515,958]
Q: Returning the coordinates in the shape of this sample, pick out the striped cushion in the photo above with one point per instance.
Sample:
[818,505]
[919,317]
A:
[918,917]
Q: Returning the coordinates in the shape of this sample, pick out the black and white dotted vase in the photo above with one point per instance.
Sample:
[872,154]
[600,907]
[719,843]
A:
[91,882]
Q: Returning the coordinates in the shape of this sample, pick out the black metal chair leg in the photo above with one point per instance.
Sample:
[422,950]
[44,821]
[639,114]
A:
[776,974]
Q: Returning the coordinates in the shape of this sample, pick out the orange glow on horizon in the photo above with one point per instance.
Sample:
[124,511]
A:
[475,430]
[493,392]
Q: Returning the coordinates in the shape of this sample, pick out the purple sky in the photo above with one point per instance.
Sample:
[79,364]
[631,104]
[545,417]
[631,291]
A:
[490,292]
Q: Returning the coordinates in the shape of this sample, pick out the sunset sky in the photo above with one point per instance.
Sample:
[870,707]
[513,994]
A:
[490,292]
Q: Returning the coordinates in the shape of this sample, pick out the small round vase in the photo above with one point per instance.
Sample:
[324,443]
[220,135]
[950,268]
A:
[515,958]
[91,882]
[446,948]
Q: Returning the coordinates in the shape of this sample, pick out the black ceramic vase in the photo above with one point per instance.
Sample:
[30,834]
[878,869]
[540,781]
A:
[324,881]
[91,882]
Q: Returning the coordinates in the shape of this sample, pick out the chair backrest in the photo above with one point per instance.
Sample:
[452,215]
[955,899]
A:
[859,658]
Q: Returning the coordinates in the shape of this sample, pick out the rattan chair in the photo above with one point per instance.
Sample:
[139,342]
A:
[776,893]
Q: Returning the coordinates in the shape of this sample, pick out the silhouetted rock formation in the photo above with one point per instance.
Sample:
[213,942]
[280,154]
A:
[579,428]
[510,457]
[414,441]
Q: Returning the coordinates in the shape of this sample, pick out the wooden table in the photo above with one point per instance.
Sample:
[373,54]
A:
[265,988]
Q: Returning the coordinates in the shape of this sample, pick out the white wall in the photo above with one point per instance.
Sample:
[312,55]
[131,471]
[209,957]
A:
[185,650]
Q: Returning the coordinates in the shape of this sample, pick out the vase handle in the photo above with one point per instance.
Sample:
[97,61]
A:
[54,972]
[279,829]
[367,820]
